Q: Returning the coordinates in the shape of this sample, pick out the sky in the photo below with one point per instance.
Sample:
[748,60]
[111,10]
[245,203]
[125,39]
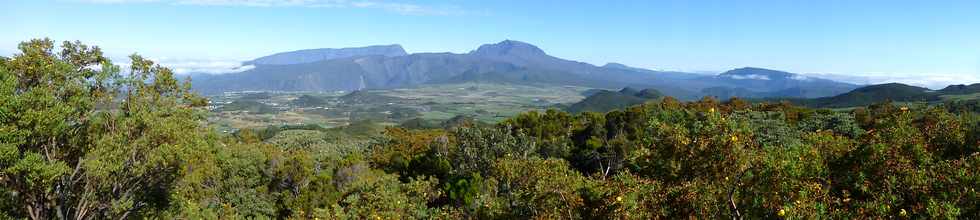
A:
[926,43]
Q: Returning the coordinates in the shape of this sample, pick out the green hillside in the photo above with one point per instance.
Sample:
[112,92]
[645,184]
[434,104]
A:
[250,106]
[604,100]
[309,101]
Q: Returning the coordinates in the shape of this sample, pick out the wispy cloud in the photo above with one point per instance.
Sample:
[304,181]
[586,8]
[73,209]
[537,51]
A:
[211,66]
[394,7]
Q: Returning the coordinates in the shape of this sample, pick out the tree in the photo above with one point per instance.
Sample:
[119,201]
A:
[80,140]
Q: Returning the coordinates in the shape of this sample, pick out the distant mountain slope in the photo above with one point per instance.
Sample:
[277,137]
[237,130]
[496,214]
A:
[750,82]
[509,61]
[319,76]
[316,55]
[874,94]
[348,74]
[666,75]
[604,100]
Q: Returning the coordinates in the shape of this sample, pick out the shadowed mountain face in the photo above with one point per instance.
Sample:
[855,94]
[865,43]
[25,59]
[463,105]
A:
[509,61]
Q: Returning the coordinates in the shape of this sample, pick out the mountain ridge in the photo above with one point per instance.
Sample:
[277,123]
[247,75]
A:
[322,54]
[508,61]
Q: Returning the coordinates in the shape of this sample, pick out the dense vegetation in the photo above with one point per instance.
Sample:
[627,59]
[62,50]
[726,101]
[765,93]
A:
[81,139]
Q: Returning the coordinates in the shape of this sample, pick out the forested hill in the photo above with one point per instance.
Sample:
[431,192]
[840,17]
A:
[894,92]
[604,100]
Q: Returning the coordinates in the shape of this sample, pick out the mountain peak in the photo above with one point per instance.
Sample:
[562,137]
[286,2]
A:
[617,66]
[509,47]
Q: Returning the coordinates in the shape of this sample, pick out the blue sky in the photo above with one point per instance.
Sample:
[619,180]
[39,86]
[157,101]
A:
[930,43]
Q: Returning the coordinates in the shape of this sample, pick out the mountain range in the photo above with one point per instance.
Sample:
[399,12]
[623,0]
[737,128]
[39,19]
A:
[509,61]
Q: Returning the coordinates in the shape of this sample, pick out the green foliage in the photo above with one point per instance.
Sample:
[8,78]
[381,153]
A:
[539,188]
[81,140]
[972,105]
[550,131]
[372,194]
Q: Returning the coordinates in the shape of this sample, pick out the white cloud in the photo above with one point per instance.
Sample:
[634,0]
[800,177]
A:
[189,65]
[400,8]
[212,66]
[800,77]
[750,76]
